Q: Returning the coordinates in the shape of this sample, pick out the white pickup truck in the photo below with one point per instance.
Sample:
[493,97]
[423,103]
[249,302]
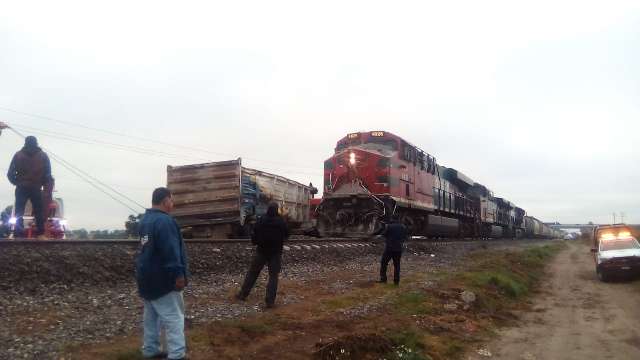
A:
[617,252]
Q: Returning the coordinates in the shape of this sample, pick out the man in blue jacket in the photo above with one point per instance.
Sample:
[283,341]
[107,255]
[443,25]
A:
[161,273]
[395,233]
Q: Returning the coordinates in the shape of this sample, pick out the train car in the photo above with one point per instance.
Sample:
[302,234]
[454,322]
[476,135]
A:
[536,229]
[373,175]
[223,199]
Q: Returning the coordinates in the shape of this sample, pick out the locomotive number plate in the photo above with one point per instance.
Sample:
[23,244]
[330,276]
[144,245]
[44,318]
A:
[353,136]
[377,133]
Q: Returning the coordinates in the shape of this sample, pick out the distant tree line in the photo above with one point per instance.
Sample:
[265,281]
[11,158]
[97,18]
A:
[130,231]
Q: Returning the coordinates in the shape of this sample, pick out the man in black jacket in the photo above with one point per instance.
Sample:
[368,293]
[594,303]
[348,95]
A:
[395,234]
[269,234]
[29,171]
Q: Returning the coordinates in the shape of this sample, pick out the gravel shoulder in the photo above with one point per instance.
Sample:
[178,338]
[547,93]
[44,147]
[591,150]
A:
[56,298]
[575,316]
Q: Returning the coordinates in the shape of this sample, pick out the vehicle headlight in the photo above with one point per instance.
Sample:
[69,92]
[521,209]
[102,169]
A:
[624,234]
[13,221]
[607,236]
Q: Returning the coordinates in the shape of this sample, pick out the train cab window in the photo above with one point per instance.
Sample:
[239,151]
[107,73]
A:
[390,144]
[328,165]
[347,143]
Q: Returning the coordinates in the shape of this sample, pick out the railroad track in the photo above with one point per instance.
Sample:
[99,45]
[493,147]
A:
[188,241]
[296,241]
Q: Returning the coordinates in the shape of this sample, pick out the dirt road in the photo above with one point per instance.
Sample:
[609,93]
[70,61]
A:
[575,317]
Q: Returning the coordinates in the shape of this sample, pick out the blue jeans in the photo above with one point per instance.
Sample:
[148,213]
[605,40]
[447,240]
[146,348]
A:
[166,312]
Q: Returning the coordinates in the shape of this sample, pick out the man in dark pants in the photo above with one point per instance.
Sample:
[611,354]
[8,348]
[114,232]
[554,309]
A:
[395,233]
[269,234]
[29,171]
[162,273]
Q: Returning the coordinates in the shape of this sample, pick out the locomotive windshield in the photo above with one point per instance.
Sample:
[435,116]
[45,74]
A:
[346,143]
[390,144]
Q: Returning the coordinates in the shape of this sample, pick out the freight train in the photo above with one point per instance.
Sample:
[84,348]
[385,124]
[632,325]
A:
[374,175]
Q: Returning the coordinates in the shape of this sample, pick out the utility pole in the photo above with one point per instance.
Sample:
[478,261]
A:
[614,217]
[622,217]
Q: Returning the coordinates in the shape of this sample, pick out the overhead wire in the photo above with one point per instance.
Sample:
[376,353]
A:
[115,133]
[89,141]
[134,149]
[90,179]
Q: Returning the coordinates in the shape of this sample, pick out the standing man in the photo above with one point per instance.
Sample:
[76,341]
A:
[395,234]
[29,171]
[269,235]
[161,273]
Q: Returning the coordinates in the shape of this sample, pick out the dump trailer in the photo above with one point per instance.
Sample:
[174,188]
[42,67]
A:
[224,199]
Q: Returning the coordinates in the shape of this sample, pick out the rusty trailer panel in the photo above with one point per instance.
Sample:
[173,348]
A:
[205,193]
[224,198]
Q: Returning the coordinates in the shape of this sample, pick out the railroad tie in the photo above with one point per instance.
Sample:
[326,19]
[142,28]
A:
[286,248]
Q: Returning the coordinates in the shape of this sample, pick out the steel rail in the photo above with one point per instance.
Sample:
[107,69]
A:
[247,241]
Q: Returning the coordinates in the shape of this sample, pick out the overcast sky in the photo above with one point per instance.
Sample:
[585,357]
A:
[540,101]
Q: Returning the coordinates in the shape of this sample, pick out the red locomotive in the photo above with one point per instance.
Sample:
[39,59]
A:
[373,175]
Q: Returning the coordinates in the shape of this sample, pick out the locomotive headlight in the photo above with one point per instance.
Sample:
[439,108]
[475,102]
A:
[352,158]
[13,221]
[63,223]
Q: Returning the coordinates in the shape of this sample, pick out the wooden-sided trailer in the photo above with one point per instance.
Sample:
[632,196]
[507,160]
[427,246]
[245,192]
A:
[223,199]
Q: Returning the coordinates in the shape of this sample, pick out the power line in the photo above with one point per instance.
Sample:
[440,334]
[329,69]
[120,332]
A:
[115,133]
[134,149]
[89,141]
